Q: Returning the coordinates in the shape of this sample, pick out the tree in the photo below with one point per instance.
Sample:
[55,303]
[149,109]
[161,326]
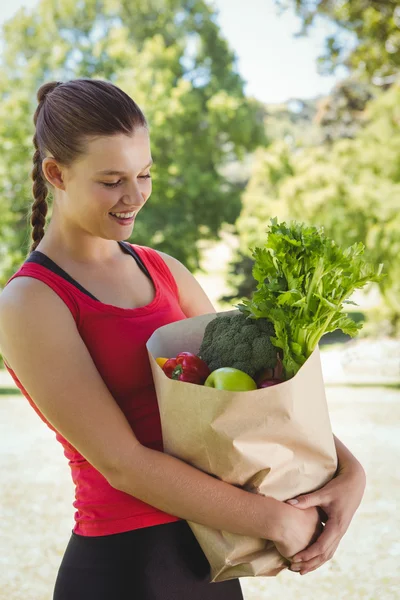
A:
[342,113]
[351,188]
[260,202]
[366,39]
[170,56]
[294,122]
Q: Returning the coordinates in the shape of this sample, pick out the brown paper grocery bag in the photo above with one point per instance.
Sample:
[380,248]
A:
[275,441]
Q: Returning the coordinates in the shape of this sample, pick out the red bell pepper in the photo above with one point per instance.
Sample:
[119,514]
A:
[187,367]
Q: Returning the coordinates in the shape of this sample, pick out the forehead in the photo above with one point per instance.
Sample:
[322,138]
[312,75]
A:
[119,152]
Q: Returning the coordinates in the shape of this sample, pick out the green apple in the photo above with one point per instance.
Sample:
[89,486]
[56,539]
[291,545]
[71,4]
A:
[233,380]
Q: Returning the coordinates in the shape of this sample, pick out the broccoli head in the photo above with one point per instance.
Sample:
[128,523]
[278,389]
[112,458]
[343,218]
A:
[239,342]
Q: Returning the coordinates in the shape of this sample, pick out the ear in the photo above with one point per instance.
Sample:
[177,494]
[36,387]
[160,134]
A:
[54,172]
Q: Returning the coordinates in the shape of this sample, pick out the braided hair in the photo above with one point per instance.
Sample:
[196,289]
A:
[68,115]
[39,188]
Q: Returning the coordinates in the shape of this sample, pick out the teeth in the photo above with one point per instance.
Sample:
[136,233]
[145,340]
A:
[123,215]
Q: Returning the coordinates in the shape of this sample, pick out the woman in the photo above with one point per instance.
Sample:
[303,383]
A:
[74,321]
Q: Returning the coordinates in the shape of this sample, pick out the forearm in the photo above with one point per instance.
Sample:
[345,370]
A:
[179,489]
[347,461]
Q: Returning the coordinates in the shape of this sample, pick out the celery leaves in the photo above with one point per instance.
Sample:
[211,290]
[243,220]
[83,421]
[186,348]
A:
[304,280]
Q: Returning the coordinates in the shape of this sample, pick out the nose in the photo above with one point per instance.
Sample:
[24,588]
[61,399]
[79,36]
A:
[135,196]
[131,203]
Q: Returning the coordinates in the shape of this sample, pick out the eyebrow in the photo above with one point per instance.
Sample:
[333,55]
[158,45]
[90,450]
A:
[112,172]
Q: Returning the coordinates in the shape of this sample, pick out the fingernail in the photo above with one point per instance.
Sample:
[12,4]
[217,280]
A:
[294,501]
[295,567]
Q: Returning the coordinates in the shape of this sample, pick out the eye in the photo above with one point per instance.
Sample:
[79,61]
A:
[111,184]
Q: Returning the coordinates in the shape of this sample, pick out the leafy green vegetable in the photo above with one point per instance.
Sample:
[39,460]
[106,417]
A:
[238,342]
[304,280]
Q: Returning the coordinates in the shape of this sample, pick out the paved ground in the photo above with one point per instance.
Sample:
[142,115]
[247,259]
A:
[37,512]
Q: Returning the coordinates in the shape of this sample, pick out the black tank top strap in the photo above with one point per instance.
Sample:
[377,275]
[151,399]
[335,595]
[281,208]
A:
[41,259]
[136,256]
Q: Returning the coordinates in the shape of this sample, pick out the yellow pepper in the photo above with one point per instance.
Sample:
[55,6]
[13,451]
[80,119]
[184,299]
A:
[161,361]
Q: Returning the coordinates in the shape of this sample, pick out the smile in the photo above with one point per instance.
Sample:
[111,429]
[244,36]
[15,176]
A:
[123,215]
[127,219]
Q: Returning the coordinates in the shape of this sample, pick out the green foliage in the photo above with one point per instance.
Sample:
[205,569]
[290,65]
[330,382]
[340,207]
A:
[372,44]
[169,55]
[304,279]
[342,114]
[351,188]
[238,342]
[294,122]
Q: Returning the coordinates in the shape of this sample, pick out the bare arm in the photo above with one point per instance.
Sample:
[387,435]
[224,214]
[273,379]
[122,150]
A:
[40,342]
[347,462]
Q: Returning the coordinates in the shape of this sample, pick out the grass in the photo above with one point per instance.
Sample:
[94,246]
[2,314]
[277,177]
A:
[5,391]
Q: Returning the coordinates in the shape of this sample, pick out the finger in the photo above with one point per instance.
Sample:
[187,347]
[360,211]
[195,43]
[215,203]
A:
[306,500]
[317,562]
[328,537]
[311,565]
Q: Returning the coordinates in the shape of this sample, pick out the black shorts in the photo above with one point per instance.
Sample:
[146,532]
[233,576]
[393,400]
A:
[162,562]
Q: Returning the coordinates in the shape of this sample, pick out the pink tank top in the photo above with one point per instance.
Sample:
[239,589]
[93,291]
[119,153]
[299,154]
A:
[116,339]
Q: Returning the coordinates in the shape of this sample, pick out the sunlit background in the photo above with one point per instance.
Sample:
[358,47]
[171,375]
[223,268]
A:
[295,109]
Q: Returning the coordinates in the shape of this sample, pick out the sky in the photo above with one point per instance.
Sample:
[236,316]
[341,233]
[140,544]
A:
[275,65]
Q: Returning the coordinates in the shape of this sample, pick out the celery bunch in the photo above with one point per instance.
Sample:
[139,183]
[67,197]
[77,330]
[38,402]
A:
[304,281]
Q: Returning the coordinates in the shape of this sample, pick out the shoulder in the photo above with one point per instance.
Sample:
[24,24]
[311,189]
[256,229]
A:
[21,291]
[25,297]
[28,293]
[25,300]
[173,263]
[29,310]
[192,298]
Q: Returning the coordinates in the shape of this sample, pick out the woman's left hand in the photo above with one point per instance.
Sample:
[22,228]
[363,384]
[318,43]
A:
[338,501]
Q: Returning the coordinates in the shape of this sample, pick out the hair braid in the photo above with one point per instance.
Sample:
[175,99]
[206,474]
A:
[39,188]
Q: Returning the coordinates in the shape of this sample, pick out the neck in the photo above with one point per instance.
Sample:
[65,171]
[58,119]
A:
[63,239]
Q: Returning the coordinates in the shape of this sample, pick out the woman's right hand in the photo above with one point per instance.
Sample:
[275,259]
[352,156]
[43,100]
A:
[300,528]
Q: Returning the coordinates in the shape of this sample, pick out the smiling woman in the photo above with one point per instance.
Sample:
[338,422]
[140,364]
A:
[74,322]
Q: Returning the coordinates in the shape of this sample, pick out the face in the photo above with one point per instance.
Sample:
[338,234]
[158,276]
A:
[113,176]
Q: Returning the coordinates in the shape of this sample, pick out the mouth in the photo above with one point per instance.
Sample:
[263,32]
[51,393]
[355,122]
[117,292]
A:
[123,218]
